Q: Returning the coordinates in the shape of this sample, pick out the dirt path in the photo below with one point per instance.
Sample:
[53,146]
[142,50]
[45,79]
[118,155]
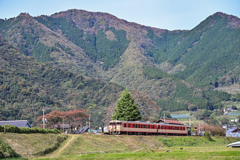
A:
[61,148]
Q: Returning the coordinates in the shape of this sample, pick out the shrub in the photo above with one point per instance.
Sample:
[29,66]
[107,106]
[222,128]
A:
[40,130]
[1,128]
[6,151]
[207,136]
[10,128]
[34,130]
[15,129]
[25,130]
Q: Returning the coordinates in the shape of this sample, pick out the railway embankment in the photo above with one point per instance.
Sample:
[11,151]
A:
[89,143]
[27,145]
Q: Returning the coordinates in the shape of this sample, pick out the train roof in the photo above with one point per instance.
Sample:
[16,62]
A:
[148,123]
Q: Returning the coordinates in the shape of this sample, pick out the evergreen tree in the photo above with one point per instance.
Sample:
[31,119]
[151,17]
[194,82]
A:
[126,109]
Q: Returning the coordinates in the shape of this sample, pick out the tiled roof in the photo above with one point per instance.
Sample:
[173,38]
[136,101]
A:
[233,130]
[65,126]
[170,121]
[18,123]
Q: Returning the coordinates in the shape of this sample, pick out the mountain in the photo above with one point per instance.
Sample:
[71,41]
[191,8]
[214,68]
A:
[177,69]
[27,85]
[206,55]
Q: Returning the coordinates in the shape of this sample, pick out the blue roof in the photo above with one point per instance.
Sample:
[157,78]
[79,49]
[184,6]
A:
[230,130]
[233,114]
[181,116]
[18,123]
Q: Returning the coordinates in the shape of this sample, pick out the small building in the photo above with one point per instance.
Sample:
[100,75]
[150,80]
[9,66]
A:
[224,126]
[18,123]
[235,120]
[65,126]
[169,121]
[233,132]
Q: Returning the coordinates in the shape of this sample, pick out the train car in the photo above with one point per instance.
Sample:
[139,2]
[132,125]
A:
[146,128]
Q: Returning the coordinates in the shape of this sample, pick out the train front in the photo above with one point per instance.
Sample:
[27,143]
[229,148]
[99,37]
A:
[114,127]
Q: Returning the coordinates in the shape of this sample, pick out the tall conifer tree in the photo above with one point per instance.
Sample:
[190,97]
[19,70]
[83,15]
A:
[126,109]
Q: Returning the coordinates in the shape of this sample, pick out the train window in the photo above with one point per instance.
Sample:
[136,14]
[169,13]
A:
[148,126]
[119,122]
[110,124]
[143,126]
[183,128]
[129,125]
[133,125]
[138,126]
[158,127]
[113,123]
[125,125]
[161,127]
[152,127]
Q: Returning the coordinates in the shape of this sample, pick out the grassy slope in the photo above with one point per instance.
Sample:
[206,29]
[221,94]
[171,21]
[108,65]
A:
[26,145]
[147,147]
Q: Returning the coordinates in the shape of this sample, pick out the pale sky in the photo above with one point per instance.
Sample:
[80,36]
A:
[165,14]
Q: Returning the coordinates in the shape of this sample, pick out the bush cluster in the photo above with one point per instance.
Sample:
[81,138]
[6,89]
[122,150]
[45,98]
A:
[6,151]
[15,129]
[60,139]
[207,135]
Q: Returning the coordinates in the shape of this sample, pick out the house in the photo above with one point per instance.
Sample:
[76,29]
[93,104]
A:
[233,132]
[169,121]
[225,126]
[18,123]
[229,109]
[235,120]
[65,126]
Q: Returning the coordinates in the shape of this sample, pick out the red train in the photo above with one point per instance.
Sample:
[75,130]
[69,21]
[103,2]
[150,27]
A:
[147,128]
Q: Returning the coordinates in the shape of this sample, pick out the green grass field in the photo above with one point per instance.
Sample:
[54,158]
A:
[202,152]
[89,146]
[147,147]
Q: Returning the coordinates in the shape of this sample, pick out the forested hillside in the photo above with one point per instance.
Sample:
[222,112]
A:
[27,85]
[177,69]
[204,55]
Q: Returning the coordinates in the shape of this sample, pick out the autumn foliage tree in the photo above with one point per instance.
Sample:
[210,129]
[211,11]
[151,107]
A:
[213,129]
[109,114]
[149,109]
[74,118]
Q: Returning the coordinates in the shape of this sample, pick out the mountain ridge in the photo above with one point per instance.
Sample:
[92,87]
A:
[100,45]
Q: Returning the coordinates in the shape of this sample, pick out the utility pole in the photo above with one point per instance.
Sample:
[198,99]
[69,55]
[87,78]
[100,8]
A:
[89,124]
[43,118]
[199,129]
[63,125]
[164,117]
[189,121]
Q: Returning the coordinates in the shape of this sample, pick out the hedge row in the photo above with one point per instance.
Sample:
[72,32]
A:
[15,129]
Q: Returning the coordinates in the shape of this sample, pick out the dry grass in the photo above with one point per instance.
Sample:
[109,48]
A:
[27,145]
